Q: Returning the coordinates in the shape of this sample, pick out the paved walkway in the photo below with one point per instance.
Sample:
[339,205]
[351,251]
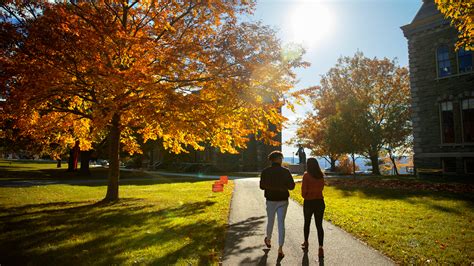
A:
[244,243]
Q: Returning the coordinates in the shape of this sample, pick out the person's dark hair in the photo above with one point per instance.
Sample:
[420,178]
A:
[313,168]
[275,155]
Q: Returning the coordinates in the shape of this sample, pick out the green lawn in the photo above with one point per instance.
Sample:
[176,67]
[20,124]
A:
[24,169]
[26,165]
[410,226]
[159,221]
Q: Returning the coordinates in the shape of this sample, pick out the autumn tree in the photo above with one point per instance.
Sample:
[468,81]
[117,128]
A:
[185,72]
[347,128]
[461,15]
[312,134]
[346,165]
[376,98]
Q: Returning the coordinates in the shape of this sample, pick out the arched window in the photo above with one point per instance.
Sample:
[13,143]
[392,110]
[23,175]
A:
[464,60]
[444,65]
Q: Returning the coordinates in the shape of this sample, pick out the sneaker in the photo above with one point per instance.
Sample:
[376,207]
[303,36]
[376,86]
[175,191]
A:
[281,255]
[267,242]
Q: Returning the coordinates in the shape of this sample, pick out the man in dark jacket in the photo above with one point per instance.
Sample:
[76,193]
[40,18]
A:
[276,181]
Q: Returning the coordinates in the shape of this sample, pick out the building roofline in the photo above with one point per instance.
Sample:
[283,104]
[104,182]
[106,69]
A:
[426,18]
[424,24]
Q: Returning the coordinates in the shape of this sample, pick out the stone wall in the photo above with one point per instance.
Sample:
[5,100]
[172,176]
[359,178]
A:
[428,91]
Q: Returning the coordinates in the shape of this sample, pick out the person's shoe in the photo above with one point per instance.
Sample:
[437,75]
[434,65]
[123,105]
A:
[267,242]
[304,245]
[281,255]
[321,252]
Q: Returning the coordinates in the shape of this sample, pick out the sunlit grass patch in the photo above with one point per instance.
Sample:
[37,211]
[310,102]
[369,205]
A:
[161,223]
[411,227]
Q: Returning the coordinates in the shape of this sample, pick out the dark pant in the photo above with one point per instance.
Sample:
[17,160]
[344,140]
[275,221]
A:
[314,207]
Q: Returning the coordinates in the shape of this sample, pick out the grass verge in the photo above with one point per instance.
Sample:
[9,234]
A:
[159,221]
[410,226]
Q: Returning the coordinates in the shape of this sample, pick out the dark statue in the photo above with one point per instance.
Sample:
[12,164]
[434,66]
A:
[302,155]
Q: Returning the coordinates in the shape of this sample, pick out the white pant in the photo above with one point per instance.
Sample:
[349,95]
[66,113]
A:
[280,208]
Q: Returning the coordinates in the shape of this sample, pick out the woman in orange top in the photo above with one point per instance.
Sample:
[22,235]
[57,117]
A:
[312,192]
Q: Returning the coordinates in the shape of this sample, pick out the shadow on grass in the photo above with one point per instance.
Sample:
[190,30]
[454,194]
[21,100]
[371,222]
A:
[27,161]
[413,197]
[98,177]
[410,178]
[27,172]
[14,168]
[98,233]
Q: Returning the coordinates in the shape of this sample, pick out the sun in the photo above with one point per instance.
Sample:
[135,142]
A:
[309,23]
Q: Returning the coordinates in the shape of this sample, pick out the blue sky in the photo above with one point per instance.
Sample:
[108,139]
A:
[332,28]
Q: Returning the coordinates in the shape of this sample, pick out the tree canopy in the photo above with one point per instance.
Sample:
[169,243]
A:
[312,134]
[186,72]
[361,105]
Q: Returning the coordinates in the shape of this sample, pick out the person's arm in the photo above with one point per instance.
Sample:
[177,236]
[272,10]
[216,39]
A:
[290,181]
[262,181]
[304,187]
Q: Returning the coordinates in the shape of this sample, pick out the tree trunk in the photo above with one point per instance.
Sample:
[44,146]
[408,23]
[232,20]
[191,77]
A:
[58,164]
[353,164]
[114,171]
[374,159]
[393,162]
[333,164]
[75,154]
[70,161]
[85,158]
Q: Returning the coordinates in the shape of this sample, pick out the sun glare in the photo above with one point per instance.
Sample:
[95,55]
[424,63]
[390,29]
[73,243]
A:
[309,23]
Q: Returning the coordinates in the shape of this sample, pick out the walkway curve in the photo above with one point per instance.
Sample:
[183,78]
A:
[244,242]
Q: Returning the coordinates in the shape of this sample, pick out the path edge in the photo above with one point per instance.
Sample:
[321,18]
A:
[222,253]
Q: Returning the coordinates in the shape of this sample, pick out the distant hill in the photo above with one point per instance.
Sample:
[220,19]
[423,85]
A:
[362,163]
[322,162]
[290,160]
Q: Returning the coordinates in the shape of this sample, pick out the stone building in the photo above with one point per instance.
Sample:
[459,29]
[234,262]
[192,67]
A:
[442,89]
[251,159]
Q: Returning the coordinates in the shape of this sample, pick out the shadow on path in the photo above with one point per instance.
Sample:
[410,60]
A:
[237,232]
[263,259]
[305,260]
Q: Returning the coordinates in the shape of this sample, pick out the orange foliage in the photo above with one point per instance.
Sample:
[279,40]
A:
[345,165]
[183,71]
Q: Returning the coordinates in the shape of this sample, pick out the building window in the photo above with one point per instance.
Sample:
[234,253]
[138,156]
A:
[464,61]
[447,122]
[449,165]
[469,165]
[444,65]
[468,120]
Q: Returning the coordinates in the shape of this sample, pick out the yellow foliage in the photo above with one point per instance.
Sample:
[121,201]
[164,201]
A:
[461,15]
[345,165]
